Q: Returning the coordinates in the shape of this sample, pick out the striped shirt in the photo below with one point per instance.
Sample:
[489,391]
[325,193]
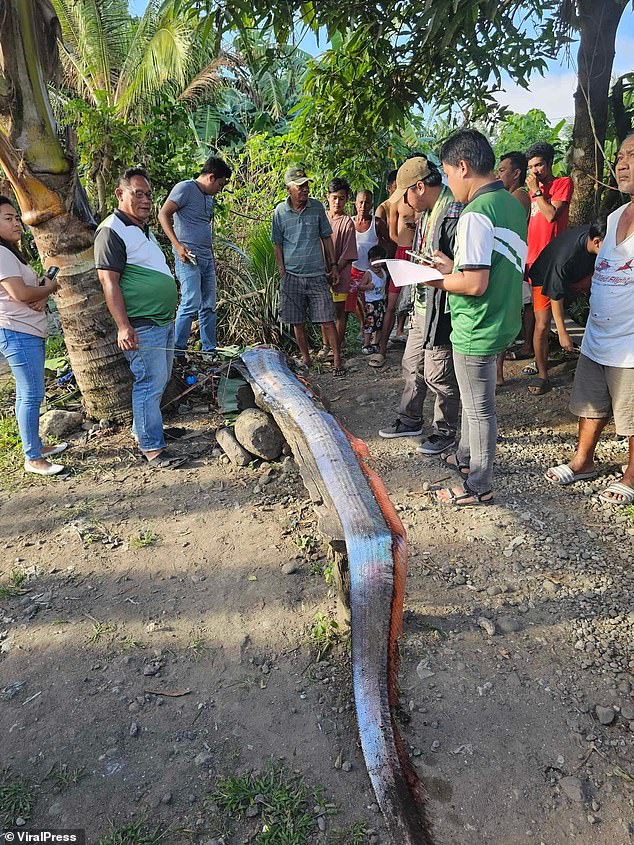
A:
[299,233]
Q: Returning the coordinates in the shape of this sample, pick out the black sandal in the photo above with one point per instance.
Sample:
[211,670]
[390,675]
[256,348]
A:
[167,460]
[339,372]
[540,385]
[461,469]
[459,499]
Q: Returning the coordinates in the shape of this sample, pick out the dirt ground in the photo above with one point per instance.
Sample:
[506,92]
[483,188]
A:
[159,644]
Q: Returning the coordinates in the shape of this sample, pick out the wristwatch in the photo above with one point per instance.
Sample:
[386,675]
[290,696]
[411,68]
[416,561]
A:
[538,193]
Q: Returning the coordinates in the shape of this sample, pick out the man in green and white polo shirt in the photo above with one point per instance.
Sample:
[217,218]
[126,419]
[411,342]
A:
[485,299]
[141,295]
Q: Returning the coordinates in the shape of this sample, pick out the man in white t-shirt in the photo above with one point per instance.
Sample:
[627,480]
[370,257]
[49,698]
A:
[604,381]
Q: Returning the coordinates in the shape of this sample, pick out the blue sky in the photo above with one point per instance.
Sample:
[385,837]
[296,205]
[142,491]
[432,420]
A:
[552,93]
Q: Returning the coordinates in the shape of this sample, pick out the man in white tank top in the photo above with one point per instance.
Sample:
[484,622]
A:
[370,230]
[604,380]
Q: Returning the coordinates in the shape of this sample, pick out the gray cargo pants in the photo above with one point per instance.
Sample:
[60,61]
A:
[438,375]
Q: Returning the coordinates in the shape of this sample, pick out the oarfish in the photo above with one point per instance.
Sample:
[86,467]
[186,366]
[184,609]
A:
[377,559]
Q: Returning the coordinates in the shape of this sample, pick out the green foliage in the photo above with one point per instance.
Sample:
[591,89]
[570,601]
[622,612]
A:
[143,539]
[17,798]
[114,61]
[450,53]
[11,455]
[107,144]
[324,634]
[257,184]
[520,131]
[287,810]
[15,584]
[136,833]
[356,834]
[248,293]
[63,775]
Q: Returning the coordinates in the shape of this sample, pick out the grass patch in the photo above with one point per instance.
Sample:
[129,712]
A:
[17,798]
[11,455]
[197,644]
[144,539]
[78,509]
[324,634]
[15,584]
[62,775]
[356,834]
[629,512]
[136,833]
[284,809]
[306,542]
[100,630]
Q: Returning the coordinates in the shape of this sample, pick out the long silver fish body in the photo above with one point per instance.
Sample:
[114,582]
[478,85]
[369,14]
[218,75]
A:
[376,598]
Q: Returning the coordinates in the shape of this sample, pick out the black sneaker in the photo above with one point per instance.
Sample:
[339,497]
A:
[436,444]
[399,429]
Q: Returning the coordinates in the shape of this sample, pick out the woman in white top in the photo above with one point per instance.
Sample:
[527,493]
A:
[23,330]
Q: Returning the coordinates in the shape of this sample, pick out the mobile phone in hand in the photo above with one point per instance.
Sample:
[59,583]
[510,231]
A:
[49,275]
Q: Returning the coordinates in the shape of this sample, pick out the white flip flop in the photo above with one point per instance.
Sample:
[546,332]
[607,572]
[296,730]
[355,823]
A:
[565,475]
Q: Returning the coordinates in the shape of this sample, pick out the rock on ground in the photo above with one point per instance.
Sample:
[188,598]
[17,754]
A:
[232,449]
[257,431]
[60,423]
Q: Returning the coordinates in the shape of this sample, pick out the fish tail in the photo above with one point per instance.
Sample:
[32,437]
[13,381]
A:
[412,798]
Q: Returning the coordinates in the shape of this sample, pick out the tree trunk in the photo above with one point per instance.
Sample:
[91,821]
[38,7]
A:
[598,23]
[54,205]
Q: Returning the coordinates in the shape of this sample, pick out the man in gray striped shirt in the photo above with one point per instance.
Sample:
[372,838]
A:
[304,253]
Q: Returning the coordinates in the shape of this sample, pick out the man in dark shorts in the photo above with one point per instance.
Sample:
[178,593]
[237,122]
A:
[564,269]
[604,379]
[301,235]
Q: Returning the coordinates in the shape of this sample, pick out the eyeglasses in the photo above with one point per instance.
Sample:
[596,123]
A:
[140,194]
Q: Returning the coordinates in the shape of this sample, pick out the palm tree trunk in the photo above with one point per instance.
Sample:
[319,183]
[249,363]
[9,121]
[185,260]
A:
[54,205]
[598,23]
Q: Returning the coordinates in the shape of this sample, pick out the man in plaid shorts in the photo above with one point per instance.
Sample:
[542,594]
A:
[305,257]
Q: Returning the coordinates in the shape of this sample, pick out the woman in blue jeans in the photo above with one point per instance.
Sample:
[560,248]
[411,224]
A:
[23,330]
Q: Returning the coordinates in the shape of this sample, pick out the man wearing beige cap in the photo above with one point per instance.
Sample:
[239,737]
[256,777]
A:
[305,257]
[419,183]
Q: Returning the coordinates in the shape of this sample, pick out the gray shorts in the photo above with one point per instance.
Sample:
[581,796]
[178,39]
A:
[600,391]
[299,294]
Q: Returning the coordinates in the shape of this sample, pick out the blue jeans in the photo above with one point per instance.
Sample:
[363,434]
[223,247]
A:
[151,366]
[198,297]
[25,355]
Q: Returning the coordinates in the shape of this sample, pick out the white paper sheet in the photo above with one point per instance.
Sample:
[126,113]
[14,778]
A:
[407,273]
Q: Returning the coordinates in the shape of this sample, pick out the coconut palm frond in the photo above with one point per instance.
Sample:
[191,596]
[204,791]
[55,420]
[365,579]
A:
[163,53]
[93,32]
[76,78]
[140,35]
[206,83]
[272,87]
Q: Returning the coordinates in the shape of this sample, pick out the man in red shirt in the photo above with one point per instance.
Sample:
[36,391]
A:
[550,198]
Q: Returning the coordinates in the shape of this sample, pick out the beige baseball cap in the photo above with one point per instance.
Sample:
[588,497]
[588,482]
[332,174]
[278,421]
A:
[295,175]
[414,170]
